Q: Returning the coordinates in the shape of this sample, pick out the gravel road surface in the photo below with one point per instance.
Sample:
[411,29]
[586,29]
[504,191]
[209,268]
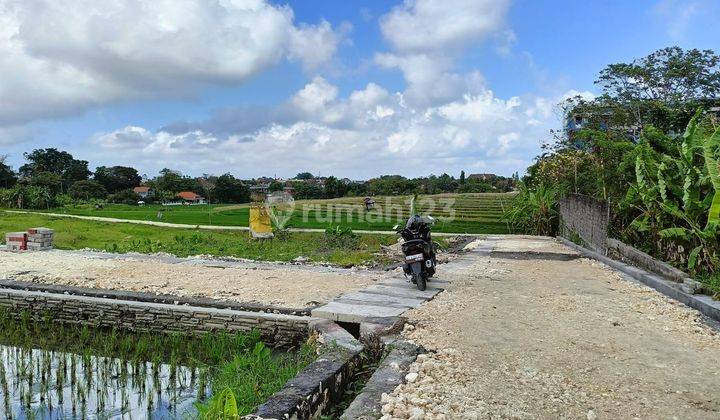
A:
[293,286]
[534,338]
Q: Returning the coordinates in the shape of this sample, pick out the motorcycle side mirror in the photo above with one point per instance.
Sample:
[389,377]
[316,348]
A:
[432,219]
[396,227]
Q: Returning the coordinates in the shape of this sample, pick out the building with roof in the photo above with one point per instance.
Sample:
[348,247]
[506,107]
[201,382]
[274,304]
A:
[143,191]
[191,197]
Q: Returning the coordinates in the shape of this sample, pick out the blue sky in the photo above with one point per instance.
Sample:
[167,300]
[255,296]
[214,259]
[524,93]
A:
[356,89]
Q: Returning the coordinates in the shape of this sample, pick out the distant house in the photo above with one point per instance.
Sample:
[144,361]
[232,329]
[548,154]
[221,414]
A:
[143,192]
[601,119]
[482,177]
[191,197]
[259,191]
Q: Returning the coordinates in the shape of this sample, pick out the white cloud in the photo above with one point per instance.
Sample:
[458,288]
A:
[61,57]
[315,96]
[67,56]
[317,101]
[422,25]
[427,36]
[315,45]
[505,41]
[369,132]
[130,137]
[482,109]
[430,79]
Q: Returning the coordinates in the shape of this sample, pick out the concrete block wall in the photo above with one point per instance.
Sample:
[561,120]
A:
[586,217]
[276,329]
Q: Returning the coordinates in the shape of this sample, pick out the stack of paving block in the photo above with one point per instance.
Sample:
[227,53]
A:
[39,239]
[16,241]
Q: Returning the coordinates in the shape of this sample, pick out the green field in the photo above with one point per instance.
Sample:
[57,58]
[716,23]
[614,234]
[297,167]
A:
[456,213]
[127,237]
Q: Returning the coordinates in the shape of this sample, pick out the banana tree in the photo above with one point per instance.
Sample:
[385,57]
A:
[677,193]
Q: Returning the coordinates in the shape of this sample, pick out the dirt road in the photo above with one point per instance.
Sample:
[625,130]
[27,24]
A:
[547,338]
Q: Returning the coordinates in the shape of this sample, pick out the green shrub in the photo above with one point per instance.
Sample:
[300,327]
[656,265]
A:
[341,237]
[534,211]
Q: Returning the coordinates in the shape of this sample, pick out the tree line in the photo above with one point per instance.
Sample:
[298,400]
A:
[55,178]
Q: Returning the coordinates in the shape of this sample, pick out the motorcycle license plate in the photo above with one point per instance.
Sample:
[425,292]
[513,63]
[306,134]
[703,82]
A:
[413,258]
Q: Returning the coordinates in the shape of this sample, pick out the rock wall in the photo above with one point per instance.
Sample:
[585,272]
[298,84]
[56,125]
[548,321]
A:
[318,386]
[276,329]
[584,218]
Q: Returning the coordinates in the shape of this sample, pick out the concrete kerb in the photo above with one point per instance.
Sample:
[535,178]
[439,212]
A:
[704,304]
[389,374]
[152,297]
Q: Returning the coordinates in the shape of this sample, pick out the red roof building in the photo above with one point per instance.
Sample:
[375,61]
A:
[190,196]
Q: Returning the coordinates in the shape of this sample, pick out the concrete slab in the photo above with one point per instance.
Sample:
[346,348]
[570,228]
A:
[343,312]
[402,282]
[362,302]
[379,300]
[406,291]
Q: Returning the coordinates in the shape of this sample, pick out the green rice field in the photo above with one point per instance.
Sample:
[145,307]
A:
[455,213]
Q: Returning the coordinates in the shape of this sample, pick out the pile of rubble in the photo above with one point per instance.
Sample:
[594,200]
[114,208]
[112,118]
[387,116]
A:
[35,239]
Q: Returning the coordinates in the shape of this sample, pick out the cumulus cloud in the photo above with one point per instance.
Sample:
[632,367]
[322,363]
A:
[370,131]
[427,36]
[60,57]
[422,25]
[66,56]
[315,45]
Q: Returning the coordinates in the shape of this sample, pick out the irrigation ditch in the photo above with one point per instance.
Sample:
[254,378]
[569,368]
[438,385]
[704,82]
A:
[80,351]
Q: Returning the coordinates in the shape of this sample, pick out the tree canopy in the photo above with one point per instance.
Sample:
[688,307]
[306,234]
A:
[85,190]
[63,164]
[7,175]
[304,176]
[662,89]
[669,75]
[228,189]
[117,178]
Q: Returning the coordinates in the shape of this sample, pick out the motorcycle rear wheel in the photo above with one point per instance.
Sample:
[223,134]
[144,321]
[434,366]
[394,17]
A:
[421,281]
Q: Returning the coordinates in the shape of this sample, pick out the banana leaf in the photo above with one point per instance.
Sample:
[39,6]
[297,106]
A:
[675,232]
[712,163]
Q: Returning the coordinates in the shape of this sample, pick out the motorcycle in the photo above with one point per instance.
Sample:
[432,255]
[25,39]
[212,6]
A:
[419,250]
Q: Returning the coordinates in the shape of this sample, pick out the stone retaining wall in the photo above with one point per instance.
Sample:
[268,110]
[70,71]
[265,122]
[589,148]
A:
[276,329]
[319,385]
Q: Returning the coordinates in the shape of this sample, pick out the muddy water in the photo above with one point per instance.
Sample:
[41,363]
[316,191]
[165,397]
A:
[50,384]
